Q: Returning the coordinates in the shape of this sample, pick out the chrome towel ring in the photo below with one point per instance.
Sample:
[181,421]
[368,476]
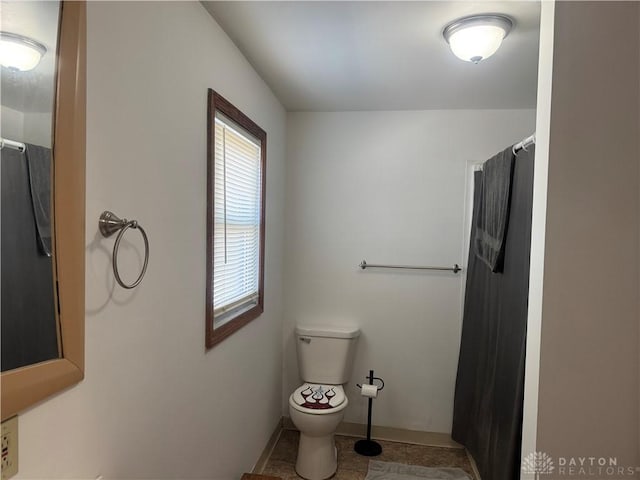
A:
[109,224]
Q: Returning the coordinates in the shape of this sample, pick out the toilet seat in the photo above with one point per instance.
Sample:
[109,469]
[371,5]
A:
[318,399]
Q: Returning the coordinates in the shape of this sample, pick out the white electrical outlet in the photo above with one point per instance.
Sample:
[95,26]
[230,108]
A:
[9,448]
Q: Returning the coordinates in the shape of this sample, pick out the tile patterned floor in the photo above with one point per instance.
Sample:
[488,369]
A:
[352,466]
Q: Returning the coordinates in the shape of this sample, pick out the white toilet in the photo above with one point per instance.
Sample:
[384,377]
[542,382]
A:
[325,358]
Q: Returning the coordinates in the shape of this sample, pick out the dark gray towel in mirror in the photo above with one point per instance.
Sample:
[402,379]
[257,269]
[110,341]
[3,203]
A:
[493,213]
[29,331]
[39,165]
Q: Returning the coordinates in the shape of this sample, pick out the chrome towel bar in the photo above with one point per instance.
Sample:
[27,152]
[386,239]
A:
[109,224]
[455,269]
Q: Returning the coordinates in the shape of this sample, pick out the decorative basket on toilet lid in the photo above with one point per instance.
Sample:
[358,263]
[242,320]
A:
[319,397]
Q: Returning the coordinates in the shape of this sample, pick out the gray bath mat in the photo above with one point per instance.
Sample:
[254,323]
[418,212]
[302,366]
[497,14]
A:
[400,471]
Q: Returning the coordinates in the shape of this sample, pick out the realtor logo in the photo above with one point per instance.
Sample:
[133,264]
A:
[537,462]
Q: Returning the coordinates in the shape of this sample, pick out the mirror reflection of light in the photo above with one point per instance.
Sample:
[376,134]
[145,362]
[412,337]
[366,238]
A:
[20,53]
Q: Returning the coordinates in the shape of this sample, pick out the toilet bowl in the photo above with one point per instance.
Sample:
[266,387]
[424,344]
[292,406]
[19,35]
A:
[317,456]
[325,356]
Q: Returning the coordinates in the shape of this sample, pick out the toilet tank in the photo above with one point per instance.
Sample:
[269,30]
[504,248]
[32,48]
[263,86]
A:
[325,354]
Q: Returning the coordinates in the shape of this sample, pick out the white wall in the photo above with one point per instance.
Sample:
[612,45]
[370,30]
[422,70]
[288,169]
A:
[388,187]
[29,127]
[11,123]
[154,403]
[37,128]
[538,223]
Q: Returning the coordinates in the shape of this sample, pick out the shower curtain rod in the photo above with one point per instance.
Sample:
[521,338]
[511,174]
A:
[524,144]
[11,144]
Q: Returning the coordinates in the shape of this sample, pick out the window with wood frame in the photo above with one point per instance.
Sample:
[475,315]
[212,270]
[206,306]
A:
[236,150]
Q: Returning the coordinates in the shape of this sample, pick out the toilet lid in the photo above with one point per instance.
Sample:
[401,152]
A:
[319,397]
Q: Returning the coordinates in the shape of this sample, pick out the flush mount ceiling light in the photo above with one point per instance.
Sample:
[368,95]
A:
[20,53]
[477,37]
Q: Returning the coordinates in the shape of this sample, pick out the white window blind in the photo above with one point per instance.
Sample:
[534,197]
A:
[237,209]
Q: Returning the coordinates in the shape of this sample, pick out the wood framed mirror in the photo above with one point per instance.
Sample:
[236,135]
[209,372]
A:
[30,384]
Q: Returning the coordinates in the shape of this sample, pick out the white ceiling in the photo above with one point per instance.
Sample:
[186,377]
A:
[381,55]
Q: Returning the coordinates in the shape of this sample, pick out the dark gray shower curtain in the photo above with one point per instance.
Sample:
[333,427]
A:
[488,403]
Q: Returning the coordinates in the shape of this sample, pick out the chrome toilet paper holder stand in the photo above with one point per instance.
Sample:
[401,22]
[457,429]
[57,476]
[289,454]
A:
[368,447]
